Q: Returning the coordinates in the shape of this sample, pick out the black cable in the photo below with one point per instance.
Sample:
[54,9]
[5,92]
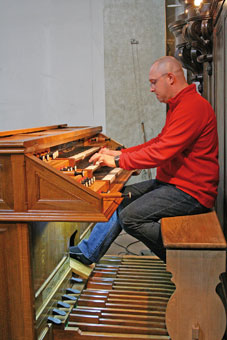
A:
[119,245]
[121,253]
[130,244]
[127,251]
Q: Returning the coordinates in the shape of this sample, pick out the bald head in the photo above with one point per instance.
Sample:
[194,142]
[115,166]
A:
[167,78]
[168,64]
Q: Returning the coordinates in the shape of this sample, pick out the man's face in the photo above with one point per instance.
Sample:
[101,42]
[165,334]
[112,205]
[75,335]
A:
[159,85]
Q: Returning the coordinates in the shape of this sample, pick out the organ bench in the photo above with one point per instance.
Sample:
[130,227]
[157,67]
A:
[196,256]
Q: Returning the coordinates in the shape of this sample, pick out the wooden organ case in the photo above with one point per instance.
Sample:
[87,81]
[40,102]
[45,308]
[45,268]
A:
[40,207]
[48,193]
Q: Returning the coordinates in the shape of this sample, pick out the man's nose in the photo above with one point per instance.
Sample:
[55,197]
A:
[152,89]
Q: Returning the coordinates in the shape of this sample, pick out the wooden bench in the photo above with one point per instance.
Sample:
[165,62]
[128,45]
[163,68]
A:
[196,256]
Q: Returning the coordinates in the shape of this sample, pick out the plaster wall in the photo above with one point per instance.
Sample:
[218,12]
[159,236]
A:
[51,63]
[134,37]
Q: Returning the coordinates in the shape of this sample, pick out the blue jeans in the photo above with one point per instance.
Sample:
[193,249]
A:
[140,217]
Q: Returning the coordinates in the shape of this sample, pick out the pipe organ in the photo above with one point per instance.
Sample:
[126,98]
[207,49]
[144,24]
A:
[49,193]
[50,197]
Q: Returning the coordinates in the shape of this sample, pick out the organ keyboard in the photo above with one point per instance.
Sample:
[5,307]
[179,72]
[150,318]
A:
[52,165]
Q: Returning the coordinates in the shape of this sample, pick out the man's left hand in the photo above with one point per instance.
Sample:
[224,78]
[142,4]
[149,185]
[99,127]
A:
[104,160]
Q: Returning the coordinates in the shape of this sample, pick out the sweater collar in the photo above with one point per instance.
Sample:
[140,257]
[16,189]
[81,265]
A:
[173,102]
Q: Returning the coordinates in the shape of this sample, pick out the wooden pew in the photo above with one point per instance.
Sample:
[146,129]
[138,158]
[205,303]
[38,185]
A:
[196,256]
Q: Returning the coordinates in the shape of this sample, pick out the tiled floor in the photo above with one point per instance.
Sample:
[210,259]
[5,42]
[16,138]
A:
[127,245]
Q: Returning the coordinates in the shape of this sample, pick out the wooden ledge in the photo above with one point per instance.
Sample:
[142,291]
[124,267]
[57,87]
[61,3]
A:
[202,231]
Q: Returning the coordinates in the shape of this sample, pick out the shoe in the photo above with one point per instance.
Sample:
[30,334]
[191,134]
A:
[76,254]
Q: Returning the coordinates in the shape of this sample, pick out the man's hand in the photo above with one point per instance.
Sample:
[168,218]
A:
[109,152]
[103,160]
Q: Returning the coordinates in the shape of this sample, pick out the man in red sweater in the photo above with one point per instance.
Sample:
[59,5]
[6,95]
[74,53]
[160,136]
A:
[185,154]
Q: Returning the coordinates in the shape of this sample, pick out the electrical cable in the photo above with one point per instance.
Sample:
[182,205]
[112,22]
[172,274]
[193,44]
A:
[130,244]
[127,251]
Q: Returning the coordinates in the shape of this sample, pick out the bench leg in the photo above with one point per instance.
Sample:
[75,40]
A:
[195,311]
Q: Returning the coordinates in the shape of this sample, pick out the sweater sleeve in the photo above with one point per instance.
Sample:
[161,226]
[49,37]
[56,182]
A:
[183,126]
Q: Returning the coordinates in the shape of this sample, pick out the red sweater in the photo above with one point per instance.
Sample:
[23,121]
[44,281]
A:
[186,151]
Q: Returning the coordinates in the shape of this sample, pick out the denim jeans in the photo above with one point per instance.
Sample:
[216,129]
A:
[140,217]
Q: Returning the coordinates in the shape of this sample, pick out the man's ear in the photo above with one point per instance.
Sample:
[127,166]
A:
[171,77]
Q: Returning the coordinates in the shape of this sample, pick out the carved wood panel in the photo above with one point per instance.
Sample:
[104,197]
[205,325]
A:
[184,314]
[5,332]
[48,190]
[218,96]
[6,183]
[16,299]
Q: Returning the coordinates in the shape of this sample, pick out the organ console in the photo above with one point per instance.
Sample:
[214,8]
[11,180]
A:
[49,192]
[51,196]
[51,165]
